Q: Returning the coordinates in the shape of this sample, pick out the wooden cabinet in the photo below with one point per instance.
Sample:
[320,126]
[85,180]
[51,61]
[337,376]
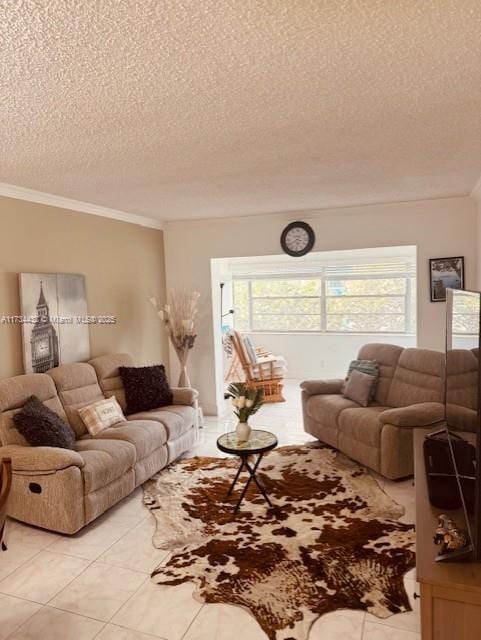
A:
[450,614]
[450,591]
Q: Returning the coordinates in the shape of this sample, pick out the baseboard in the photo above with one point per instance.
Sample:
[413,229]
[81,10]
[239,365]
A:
[210,409]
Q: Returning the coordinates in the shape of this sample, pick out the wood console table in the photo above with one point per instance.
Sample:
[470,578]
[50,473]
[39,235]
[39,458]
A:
[450,592]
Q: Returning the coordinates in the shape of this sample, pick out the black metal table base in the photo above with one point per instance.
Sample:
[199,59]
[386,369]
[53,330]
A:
[252,470]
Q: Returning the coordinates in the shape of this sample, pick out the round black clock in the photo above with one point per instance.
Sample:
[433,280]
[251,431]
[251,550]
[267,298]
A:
[297,239]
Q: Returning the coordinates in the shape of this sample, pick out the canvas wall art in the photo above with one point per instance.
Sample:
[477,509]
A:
[53,307]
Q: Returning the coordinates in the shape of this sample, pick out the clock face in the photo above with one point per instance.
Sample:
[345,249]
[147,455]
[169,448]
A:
[297,239]
[42,348]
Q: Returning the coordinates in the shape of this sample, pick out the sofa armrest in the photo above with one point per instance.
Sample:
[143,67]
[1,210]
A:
[33,459]
[318,387]
[184,395]
[422,414]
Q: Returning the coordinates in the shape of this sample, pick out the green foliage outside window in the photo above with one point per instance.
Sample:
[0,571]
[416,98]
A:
[357,304]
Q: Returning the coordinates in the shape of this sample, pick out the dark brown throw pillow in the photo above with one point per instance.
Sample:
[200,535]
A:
[145,388]
[42,427]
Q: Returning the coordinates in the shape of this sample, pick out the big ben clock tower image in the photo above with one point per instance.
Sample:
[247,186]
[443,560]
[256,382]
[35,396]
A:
[53,307]
[44,339]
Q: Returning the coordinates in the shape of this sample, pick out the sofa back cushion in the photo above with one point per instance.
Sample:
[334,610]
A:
[462,371]
[419,377]
[77,386]
[250,349]
[107,369]
[462,388]
[14,393]
[387,357]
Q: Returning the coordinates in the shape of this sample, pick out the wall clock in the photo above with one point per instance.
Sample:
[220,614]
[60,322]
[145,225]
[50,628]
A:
[297,239]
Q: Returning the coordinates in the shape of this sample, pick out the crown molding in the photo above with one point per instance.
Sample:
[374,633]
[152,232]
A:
[476,192]
[23,193]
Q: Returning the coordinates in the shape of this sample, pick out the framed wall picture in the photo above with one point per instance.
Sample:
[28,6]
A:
[53,304]
[445,273]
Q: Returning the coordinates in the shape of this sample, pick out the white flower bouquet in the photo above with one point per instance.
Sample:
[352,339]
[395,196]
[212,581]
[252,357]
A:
[245,400]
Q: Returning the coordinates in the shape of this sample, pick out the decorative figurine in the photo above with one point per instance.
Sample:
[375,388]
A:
[449,535]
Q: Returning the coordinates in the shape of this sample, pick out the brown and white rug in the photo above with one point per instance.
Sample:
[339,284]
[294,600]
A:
[332,542]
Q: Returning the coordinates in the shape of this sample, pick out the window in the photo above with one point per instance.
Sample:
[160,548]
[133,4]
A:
[362,298]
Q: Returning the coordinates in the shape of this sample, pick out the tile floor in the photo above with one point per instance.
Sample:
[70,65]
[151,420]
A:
[96,583]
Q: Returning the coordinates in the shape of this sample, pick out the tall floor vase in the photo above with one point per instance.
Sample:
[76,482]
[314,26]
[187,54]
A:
[183,355]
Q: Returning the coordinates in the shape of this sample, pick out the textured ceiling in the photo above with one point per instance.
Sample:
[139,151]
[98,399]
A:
[201,108]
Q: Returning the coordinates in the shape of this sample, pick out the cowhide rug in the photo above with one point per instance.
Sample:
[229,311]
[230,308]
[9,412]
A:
[332,542]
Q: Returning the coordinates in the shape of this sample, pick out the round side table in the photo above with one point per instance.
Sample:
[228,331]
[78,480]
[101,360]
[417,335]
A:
[259,443]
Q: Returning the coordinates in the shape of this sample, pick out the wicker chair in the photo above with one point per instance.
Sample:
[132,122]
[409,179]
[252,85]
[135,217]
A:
[267,373]
[5,485]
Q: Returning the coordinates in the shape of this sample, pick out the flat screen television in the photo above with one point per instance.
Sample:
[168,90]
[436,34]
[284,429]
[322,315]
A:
[462,403]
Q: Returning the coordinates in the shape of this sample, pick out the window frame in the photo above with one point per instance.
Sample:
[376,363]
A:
[410,319]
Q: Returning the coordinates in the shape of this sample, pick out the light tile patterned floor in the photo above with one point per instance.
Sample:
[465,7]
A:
[96,584]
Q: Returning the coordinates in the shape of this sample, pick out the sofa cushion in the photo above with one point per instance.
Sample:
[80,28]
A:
[326,408]
[107,369]
[35,460]
[359,387]
[42,427]
[362,424]
[387,357]
[462,371]
[418,378]
[315,387]
[180,445]
[184,395]
[250,349]
[462,418]
[77,387]
[462,388]
[370,367]
[144,435]
[422,414]
[263,371]
[146,388]
[177,419]
[101,414]
[105,461]
[14,392]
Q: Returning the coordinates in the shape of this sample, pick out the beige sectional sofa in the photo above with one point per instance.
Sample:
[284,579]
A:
[462,370]
[409,394]
[63,490]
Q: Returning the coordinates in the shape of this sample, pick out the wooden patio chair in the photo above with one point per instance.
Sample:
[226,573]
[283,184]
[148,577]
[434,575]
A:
[265,374]
[235,371]
[5,485]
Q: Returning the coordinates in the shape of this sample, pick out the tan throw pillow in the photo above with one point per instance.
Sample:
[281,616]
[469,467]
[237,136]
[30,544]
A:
[101,414]
[358,387]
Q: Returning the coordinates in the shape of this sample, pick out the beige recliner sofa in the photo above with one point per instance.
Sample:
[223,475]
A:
[409,394]
[462,370]
[63,490]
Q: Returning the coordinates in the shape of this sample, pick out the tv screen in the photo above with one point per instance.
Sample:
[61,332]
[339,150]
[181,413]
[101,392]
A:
[462,397]
[462,359]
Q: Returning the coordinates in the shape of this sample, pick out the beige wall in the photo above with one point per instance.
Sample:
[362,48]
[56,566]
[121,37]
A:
[123,264]
[437,227]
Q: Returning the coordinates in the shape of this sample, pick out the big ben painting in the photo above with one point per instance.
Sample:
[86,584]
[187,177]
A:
[53,306]
[43,339]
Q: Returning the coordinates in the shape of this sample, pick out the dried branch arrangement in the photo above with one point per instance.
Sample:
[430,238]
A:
[178,316]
